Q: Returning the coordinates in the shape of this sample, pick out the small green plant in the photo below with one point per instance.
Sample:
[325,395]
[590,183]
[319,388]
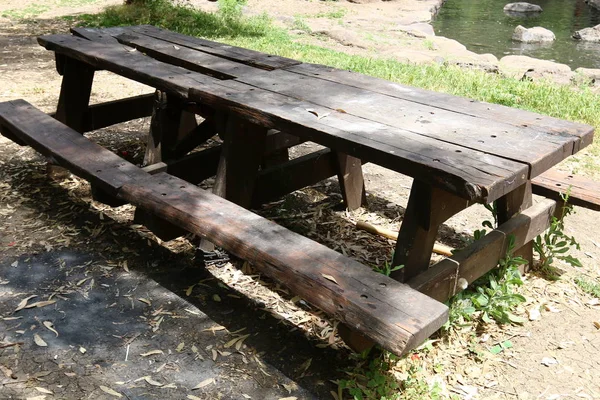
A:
[370,378]
[301,25]
[494,297]
[589,286]
[387,268]
[555,244]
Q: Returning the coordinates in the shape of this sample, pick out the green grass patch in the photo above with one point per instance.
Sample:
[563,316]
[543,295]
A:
[589,286]
[228,25]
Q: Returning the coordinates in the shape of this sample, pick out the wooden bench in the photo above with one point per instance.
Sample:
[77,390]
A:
[390,313]
[554,183]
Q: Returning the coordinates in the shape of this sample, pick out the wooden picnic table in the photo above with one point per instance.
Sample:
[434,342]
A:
[458,151]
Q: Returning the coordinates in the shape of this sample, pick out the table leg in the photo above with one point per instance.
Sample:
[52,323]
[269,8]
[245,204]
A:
[427,209]
[169,125]
[241,156]
[73,102]
[512,204]
[351,180]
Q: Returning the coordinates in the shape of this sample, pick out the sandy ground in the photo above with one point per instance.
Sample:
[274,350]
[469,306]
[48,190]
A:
[121,293]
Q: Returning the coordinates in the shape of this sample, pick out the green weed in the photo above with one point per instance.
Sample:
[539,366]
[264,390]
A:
[555,244]
[589,286]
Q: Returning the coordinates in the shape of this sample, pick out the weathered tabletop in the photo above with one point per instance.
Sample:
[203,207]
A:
[458,150]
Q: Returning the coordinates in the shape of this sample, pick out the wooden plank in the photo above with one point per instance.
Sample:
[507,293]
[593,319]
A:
[103,35]
[67,147]
[524,144]
[471,174]
[427,209]
[582,191]
[114,112]
[444,101]
[279,180]
[387,311]
[239,54]
[277,140]
[443,280]
[186,57]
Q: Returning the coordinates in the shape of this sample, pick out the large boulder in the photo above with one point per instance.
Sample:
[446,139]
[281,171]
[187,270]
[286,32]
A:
[522,8]
[588,34]
[536,34]
[527,68]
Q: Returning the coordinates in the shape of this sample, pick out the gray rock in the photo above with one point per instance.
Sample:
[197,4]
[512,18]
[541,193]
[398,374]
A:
[418,29]
[522,7]
[533,35]
[593,3]
[523,67]
[588,34]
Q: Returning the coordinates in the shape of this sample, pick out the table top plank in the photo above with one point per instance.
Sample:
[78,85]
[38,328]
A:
[524,144]
[239,54]
[484,110]
[503,139]
[469,173]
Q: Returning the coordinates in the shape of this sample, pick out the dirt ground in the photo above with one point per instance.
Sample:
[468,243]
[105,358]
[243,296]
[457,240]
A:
[132,315]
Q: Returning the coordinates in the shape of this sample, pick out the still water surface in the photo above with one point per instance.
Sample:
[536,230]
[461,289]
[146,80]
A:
[483,27]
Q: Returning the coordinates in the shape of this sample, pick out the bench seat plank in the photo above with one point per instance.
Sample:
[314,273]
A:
[468,173]
[390,313]
[583,192]
[70,149]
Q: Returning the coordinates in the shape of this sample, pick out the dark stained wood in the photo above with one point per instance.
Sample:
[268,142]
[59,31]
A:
[188,58]
[239,54]
[4,131]
[441,281]
[427,209]
[241,156]
[444,101]
[281,179]
[388,312]
[67,147]
[103,35]
[277,140]
[194,138]
[509,206]
[352,183]
[524,144]
[471,174]
[583,192]
[104,197]
[162,228]
[105,114]
[75,93]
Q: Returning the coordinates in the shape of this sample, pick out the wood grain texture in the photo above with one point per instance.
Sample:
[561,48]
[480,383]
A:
[444,101]
[67,147]
[75,91]
[388,312]
[582,191]
[441,280]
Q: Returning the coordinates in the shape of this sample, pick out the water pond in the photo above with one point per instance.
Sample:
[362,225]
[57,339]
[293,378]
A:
[483,27]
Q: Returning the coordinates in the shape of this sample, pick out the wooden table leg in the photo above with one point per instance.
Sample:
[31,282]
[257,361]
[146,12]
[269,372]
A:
[73,102]
[241,156]
[512,204]
[427,209]
[351,180]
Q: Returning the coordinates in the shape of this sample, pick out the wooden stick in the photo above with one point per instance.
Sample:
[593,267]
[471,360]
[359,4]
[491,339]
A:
[387,233]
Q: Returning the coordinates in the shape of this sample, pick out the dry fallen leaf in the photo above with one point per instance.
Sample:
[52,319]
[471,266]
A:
[40,304]
[23,303]
[39,341]
[152,382]
[597,324]
[188,291]
[192,397]
[50,326]
[216,297]
[42,397]
[204,383]
[110,391]
[82,350]
[180,347]
[43,390]
[288,398]
[143,300]
[329,278]
[151,353]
